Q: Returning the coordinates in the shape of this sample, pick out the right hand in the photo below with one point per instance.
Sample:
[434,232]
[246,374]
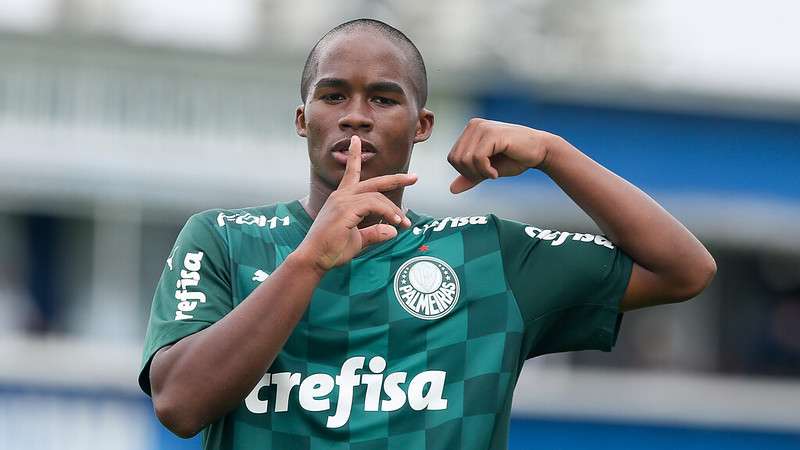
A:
[334,238]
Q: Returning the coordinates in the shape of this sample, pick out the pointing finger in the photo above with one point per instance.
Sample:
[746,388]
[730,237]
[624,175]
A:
[352,172]
[385,183]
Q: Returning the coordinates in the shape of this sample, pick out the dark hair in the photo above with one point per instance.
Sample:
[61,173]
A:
[419,76]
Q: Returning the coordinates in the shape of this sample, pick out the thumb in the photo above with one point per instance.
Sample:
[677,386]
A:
[376,233]
[461,184]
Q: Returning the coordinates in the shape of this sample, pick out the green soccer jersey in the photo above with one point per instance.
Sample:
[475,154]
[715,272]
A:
[416,343]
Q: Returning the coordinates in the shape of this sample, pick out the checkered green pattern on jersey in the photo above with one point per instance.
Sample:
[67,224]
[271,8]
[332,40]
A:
[254,248]
[354,312]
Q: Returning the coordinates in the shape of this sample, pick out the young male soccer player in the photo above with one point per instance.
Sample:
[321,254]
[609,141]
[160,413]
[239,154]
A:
[343,320]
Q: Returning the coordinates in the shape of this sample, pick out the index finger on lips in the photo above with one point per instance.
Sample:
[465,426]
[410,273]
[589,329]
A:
[385,183]
[352,171]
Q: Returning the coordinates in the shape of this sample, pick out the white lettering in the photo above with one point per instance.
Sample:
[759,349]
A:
[184,295]
[601,240]
[190,277]
[559,237]
[374,381]
[313,387]
[192,261]
[478,220]
[424,392]
[249,219]
[255,404]
[429,303]
[187,306]
[454,222]
[179,315]
[418,399]
[284,382]
[440,226]
[347,381]
[397,396]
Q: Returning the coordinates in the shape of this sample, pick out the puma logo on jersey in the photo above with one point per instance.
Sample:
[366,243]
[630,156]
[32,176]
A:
[384,392]
[171,255]
[260,275]
[190,278]
[559,237]
[452,222]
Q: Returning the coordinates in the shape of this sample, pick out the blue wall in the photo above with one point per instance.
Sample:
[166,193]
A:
[567,435]
[669,151]
[68,405]
[554,434]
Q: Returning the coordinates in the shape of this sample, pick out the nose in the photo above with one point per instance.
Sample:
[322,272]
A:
[356,117]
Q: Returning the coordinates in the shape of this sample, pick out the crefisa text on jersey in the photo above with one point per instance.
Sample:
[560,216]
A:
[424,391]
[452,222]
[559,237]
[190,277]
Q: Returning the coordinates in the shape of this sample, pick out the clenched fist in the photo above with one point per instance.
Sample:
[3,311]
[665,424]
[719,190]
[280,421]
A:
[490,149]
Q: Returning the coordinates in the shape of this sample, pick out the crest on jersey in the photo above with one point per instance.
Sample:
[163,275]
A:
[426,287]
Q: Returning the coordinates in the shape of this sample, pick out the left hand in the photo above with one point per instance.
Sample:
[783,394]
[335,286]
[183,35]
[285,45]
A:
[489,149]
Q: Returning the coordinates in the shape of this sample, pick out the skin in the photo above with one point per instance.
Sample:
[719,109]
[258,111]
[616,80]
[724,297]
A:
[363,93]
[670,264]
[362,88]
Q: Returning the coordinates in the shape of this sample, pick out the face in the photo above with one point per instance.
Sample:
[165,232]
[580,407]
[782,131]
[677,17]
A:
[362,87]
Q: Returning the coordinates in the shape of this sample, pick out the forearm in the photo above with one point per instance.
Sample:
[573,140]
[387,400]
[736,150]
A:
[205,375]
[652,237]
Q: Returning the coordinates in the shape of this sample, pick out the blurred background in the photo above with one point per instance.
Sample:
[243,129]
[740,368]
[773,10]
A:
[119,119]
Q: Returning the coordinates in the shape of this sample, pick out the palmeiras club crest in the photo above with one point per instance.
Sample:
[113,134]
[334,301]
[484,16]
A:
[426,287]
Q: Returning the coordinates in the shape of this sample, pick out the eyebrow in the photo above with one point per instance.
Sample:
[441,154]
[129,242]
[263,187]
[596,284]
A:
[379,86]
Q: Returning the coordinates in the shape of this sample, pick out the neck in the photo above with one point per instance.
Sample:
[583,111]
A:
[318,194]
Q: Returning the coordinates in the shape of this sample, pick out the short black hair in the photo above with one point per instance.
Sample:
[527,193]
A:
[419,76]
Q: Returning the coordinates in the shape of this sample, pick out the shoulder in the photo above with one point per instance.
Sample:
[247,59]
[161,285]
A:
[215,225]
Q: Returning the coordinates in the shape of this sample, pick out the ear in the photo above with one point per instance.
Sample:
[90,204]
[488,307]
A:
[300,120]
[424,125]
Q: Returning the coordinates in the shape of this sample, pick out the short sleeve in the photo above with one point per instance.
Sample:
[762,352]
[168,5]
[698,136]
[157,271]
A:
[568,286]
[194,290]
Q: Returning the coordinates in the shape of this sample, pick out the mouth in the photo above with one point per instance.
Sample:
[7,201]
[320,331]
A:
[341,151]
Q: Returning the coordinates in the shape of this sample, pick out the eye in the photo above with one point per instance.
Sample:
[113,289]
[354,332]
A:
[385,101]
[334,97]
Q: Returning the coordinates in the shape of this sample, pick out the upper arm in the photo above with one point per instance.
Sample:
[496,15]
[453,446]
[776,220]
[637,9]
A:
[158,365]
[648,288]
[645,288]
